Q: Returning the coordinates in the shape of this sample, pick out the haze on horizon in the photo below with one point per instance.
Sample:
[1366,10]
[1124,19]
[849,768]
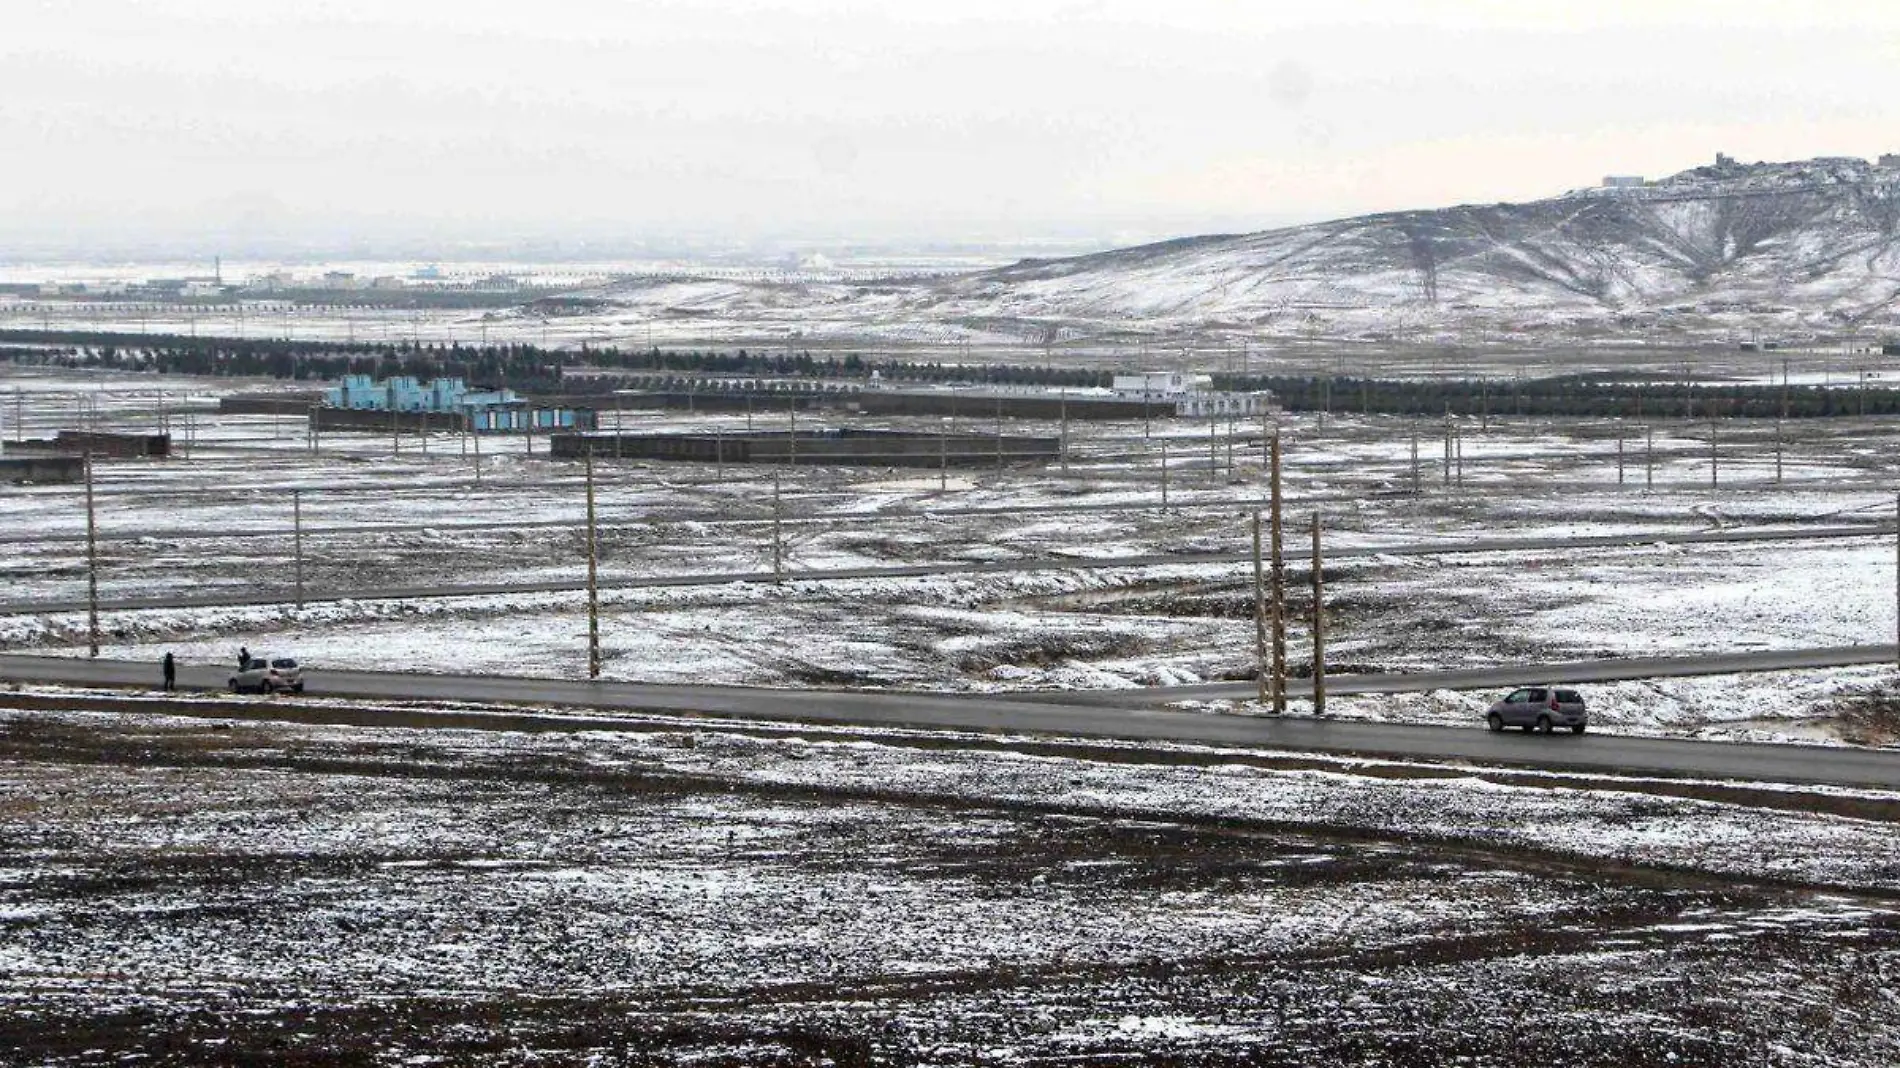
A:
[231,125]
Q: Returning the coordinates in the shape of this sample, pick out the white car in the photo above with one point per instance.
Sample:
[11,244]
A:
[269,674]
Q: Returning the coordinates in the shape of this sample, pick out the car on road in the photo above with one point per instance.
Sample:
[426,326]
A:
[269,674]
[1538,708]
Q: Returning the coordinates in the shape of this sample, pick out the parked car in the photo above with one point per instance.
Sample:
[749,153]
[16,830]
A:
[269,674]
[1538,708]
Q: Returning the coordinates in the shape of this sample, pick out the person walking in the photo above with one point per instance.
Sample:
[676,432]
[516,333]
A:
[171,672]
[244,659]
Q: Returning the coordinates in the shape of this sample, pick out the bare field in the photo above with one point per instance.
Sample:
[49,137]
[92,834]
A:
[379,513]
[223,893]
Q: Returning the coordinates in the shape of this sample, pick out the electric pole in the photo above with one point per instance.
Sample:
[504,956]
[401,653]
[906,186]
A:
[1319,626]
[92,563]
[1259,616]
[1277,575]
[593,576]
[296,521]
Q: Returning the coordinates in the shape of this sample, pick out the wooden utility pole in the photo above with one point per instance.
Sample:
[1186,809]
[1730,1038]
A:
[1777,452]
[1277,578]
[296,525]
[593,576]
[778,541]
[1448,446]
[1715,456]
[943,457]
[92,563]
[1319,626]
[478,457]
[1062,442]
[999,432]
[1416,488]
[1164,474]
[1259,615]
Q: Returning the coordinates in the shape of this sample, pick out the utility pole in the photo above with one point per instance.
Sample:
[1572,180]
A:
[778,541]
[999,433]
[1259,616]
[1777,452]
[1062,442]
[1448,446]
[92,563]
[1319,626]
[593,576]
[1164,474]
[296,520]
[1277,576]
[1715,458]
[1416,489]
[476,440]
[943,457]
[316,429]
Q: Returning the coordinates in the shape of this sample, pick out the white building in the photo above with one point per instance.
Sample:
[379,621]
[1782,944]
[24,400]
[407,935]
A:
[1192,395]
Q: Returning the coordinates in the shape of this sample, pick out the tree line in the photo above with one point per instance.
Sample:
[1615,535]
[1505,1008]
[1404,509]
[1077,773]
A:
[532,368]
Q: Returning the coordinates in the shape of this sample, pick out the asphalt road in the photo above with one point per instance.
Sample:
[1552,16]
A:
[1558,671]
[1589,753]
[973,567]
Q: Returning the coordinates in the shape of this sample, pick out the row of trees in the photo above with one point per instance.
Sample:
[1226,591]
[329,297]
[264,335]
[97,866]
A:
[534,369]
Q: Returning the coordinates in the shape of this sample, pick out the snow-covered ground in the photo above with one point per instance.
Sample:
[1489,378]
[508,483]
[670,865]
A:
[220,519]
[702,892]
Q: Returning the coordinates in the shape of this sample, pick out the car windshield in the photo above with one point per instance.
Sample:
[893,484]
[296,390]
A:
[283,662]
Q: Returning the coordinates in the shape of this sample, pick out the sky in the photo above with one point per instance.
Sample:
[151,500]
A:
[208,124]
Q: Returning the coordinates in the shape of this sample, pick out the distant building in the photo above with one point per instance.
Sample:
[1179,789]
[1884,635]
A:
[1890,160]
[497,410]
[1191,395]
[1624,181]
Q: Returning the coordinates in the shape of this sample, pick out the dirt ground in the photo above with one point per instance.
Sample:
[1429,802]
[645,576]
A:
[216,892]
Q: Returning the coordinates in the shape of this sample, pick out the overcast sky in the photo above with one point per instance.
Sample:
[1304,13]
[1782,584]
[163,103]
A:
[218,121]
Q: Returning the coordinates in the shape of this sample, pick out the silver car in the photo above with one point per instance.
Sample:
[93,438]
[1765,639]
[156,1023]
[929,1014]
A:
[269,674]
[1538,708]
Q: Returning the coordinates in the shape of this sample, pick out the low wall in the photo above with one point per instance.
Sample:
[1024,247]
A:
[1010,406]
[41,468]
[818,448]
[268,403]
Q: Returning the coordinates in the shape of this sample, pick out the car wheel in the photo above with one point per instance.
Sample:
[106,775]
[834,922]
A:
[1495,722]
[1543,724]
[1577,729]
[299,688]
[235,688]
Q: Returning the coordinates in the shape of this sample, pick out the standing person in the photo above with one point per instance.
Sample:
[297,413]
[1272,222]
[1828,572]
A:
[171,672]
[244,659]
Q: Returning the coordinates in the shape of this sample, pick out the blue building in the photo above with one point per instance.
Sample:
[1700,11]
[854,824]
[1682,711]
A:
[486,411]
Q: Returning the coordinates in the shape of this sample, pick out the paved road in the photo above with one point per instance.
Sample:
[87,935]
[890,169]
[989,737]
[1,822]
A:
[1591,753]
[1559,671]
[972,567]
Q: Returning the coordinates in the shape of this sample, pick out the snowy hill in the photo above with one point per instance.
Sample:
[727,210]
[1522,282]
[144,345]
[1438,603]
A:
[1812,245]
[1788,249]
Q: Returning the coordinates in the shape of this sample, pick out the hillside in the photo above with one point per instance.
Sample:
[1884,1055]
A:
[1787,249]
